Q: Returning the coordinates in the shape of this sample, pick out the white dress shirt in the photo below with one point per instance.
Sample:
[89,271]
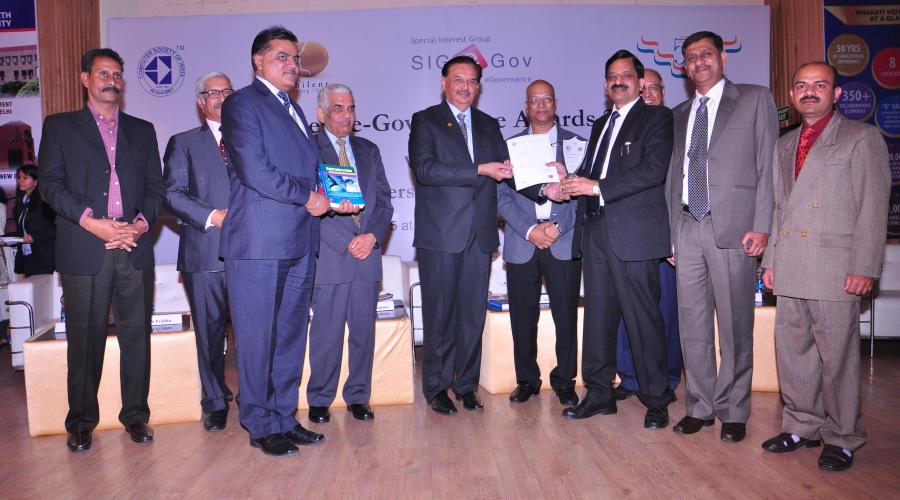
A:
[623,112]
[712,106]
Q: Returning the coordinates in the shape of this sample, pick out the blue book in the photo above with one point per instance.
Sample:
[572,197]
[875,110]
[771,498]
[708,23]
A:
[339,183]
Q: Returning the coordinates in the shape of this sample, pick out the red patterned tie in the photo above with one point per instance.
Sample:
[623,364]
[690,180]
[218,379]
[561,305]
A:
[222,151]
[803,149]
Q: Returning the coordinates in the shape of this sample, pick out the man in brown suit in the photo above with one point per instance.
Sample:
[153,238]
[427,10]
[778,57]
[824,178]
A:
[832,184]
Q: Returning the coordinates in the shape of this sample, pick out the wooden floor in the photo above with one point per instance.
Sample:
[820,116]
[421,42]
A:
[507,451]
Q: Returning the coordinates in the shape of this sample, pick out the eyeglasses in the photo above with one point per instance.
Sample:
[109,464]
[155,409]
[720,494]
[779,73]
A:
[106,75]
[214,94]
[535,99]
[654,88]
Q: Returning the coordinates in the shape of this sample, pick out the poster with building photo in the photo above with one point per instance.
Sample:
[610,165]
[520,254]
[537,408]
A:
[862,40]
[20,99]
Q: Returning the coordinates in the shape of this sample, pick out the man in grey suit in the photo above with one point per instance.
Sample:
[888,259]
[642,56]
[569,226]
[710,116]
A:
[348,268]
[832,184]
[720,209]
[537,244]
[197,192]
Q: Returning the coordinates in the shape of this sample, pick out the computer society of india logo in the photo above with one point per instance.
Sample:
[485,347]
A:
[674,59]
[161,71]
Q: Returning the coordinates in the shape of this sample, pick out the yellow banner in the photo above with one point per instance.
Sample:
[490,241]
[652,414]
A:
[867,14]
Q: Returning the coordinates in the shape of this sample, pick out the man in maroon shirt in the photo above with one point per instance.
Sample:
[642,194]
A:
[100,172]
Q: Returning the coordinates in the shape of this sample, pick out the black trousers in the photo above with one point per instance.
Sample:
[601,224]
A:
[563,278]
[615,289]
[87,302]
[454,300]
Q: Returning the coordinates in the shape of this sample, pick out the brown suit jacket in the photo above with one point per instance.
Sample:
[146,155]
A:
[832,220]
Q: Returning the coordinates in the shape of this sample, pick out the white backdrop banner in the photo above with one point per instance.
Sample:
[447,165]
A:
[391,58]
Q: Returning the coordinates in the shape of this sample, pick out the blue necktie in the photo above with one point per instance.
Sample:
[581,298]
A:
[698,193]
[285,100]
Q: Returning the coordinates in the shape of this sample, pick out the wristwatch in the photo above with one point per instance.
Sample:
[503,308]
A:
[596,189]
[542,190]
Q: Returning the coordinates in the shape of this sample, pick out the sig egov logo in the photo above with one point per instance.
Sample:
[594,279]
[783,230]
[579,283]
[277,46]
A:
[161,71]
[674,59]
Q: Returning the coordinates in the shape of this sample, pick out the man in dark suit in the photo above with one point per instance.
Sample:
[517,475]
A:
[537,246]
[457,154]
[102,176]
[653,93]
[348,269]
[197,192]
[621,235]
[269,241]
[720,210]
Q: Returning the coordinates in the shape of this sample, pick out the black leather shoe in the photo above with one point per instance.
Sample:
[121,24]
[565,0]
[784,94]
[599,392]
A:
[79,441]
[657,417]
[275,445]
[566,395]
[621,393]
[140,432]
[834,459]
[470,401]
[691,425]
[586,409]
[441,404]
[319,414]
[732,432]
[301,436]
[522,393]
[784,443]
[361,412]
[215,421]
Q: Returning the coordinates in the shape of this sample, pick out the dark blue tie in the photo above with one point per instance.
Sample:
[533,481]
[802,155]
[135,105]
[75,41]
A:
[285,100]
[593,202]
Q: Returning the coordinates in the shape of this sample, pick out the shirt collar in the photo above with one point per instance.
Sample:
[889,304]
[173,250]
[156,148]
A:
[269,86]
[626,108]
[114,118]
[820,124]
[455,111]
[714,94]
[551,135]
[333,138]
[216,129]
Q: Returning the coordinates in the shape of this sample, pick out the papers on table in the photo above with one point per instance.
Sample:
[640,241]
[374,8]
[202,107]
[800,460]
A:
[529,155]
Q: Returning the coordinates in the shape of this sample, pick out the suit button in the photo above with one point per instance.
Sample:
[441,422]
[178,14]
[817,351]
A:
[104,195]
[784,233]
[106,172]
[779,206]
[803,234]
[815,204]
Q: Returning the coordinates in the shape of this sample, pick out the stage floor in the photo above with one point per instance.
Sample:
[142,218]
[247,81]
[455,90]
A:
[508,451]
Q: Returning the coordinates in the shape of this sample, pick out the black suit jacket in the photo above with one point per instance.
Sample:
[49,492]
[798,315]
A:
[452,200]
[75,175]
[633,190]
[196,184]
[39,224]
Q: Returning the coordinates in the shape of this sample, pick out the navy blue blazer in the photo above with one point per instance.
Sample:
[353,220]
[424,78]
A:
[75,175]
[272,169]
[335,265]
[196,184]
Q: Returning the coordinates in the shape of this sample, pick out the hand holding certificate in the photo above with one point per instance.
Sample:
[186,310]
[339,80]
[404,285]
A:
[529,155]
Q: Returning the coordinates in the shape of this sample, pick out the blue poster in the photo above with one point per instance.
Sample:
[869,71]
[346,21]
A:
[862,40]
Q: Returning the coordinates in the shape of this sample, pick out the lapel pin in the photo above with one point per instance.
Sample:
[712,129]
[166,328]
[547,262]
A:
[627,147]
[449,124]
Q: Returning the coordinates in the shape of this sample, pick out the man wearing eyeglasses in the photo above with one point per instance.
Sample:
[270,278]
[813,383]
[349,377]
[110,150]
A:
[197,192]
[537,246]
[100,172]
[720,210]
